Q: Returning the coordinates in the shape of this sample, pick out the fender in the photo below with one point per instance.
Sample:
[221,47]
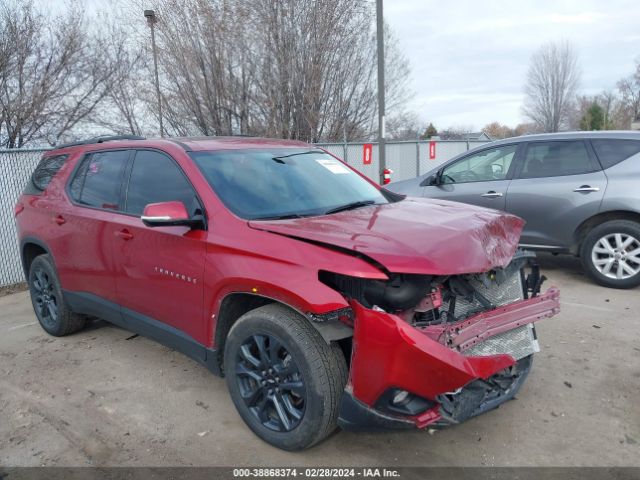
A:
[274,293]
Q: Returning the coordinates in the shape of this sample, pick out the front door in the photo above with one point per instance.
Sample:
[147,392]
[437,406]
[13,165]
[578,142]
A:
[160,270]
[481,178]
[556,186]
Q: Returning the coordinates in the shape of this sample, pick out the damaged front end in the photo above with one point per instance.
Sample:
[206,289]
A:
[437,350]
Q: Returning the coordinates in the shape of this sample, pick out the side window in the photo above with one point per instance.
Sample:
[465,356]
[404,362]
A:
[156,178]
[487,165]
[98,180]
[44,172]
[613,151]
[553,159]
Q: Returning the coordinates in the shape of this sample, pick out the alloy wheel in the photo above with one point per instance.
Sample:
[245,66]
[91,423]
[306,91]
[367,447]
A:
[45,299]
[617,256]
[270,382]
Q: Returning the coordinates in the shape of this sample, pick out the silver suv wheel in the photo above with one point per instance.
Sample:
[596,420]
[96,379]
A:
[617,256]
[610,253]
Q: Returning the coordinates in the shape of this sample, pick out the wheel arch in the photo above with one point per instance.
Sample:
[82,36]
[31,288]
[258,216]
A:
[583,229]
[236,304]
[30,248]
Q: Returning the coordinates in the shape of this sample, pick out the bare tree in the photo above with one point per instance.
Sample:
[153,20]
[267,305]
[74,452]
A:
[456,132]
[614,113]
[285,68]
[629,88]
[496,130]
[405,126]
[303,70]
[552,80]
[51,79]
[123,109]
[609,103]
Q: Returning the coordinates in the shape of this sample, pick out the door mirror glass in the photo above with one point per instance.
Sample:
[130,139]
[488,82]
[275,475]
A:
[167,214]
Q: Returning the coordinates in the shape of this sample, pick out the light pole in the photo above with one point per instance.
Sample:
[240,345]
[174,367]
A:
[150,15]
[381,124]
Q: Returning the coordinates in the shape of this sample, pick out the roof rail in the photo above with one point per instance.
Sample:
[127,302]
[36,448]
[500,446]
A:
[101,139]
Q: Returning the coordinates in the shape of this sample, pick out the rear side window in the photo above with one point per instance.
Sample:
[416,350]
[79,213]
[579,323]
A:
[612,151]
[98,180]
[157,178]
[553,159]
[44,172]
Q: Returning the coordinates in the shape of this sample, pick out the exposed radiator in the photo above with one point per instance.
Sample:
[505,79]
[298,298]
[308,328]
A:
[519,343]
[499,293]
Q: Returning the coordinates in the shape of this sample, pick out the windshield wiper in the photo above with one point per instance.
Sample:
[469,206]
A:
[279,158]
[286,216]
[350,206]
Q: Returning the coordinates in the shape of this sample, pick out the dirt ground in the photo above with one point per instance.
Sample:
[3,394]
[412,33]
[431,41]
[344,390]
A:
[103,398]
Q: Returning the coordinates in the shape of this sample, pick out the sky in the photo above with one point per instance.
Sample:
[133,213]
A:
[469,59]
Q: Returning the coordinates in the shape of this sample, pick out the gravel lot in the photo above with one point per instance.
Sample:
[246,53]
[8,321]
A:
[103,398]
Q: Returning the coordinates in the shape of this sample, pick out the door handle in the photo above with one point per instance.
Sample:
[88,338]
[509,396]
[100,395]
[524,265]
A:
[491,194]
[124,234]
[59,219]
[586,189]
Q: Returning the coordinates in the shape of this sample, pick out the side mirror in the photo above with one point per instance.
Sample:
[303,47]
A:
[168,214]
[431,180]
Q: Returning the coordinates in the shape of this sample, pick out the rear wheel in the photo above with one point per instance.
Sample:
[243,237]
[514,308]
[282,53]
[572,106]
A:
[52,311]
[610,254]
[284,379]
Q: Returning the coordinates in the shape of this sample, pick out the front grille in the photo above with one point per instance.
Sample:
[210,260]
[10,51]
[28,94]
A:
[519,343]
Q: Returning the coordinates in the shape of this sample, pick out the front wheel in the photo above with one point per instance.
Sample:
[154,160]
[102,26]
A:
[610,254]
[284,379]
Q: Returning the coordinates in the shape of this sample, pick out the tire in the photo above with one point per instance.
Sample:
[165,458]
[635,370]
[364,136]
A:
[295,404]
[610,254]
[52,311]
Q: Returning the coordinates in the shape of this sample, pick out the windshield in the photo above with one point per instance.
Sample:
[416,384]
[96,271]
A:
[284,182]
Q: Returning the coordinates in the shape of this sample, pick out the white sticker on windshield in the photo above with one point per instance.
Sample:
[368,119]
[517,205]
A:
[333,166]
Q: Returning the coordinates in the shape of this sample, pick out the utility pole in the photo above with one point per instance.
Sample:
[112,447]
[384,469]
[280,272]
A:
[381,125]
[150,15]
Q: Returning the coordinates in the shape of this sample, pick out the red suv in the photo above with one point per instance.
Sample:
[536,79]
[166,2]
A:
[323,298]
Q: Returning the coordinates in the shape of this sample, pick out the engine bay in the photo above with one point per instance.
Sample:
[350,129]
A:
[425,300]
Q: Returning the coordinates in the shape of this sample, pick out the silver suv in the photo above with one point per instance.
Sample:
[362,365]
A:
[578,192]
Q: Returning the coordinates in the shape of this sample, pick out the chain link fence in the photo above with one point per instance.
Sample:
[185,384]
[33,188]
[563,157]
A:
[406,159]
[15,168]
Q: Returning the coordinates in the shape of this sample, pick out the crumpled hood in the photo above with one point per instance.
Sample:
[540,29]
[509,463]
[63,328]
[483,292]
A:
[415,235]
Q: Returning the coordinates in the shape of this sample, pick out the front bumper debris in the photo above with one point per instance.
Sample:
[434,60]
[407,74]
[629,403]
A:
[439,363]
[483,395]
[467,333]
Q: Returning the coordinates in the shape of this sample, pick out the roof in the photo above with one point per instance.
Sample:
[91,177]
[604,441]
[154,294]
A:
[538,137]
[189,143]
[230,143]
[619,134]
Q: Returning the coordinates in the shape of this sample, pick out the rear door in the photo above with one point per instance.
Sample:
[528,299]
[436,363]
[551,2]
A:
[159,271]
[557,185]
[85,227]
[481,178]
